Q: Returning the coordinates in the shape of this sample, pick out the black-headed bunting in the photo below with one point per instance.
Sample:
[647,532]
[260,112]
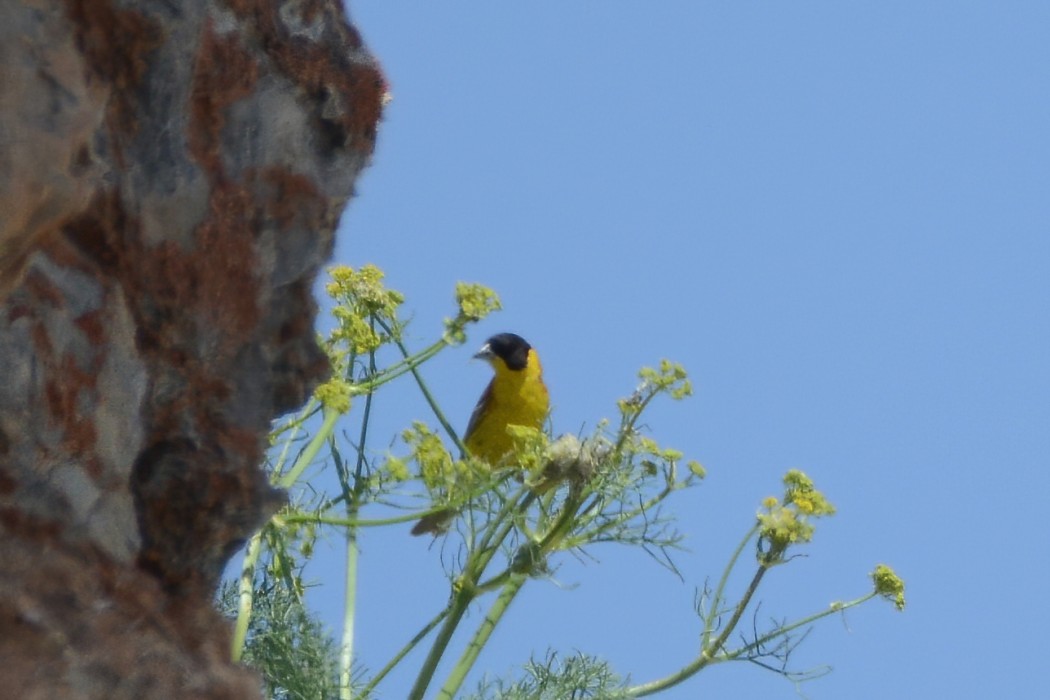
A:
[515,396]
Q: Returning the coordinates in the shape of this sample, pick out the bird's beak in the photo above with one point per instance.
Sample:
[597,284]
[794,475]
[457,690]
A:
[485,353]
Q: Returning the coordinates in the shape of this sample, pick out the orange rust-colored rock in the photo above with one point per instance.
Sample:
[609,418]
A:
[170,179]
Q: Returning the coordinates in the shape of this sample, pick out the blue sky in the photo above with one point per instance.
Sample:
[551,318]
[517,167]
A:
[835,215]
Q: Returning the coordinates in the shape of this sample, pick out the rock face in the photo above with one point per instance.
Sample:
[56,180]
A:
[171,174]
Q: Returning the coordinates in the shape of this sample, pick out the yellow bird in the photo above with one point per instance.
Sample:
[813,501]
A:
[515,396]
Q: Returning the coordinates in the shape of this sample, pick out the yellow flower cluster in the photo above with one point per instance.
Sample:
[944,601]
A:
[782,524]
[361,299]
[889,585]
[334,395]
[475,302]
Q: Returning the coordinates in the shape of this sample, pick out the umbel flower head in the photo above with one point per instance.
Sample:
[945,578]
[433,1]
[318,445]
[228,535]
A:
[889,585]
[788,522]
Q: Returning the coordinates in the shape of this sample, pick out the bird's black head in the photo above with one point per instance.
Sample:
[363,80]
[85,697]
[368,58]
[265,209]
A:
[509,347]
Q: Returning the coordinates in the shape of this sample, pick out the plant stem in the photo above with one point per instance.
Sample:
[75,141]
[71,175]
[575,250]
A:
[592,535]
[404,652]
[309,453]
[481,555]
[346,651]
[787,629]
[457,608]
[246,592]
[481,637]
[708,652]
[426,391]
[293,428]
[738,612]
[352,493]
[716,601]
[405,366]
[343,521]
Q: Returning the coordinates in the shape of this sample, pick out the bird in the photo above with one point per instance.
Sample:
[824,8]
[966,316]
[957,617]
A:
[516,395]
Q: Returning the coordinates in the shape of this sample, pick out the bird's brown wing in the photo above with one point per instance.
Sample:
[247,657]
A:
[479,411]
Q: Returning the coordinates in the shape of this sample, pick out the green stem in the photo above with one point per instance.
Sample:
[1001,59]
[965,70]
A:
[294,426]
[449,430]
[420,636]
[627,425]
[716,601]
[493,537]
[481,637]
[583,518]
[402,367]
[341,521]
[708,653]
[550,541]
[738,612]
[787,629]
[246,591]
[346,653]
[485,550]
[309,453]
[482,554]
[352,495]
[457,608]
[295,423]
